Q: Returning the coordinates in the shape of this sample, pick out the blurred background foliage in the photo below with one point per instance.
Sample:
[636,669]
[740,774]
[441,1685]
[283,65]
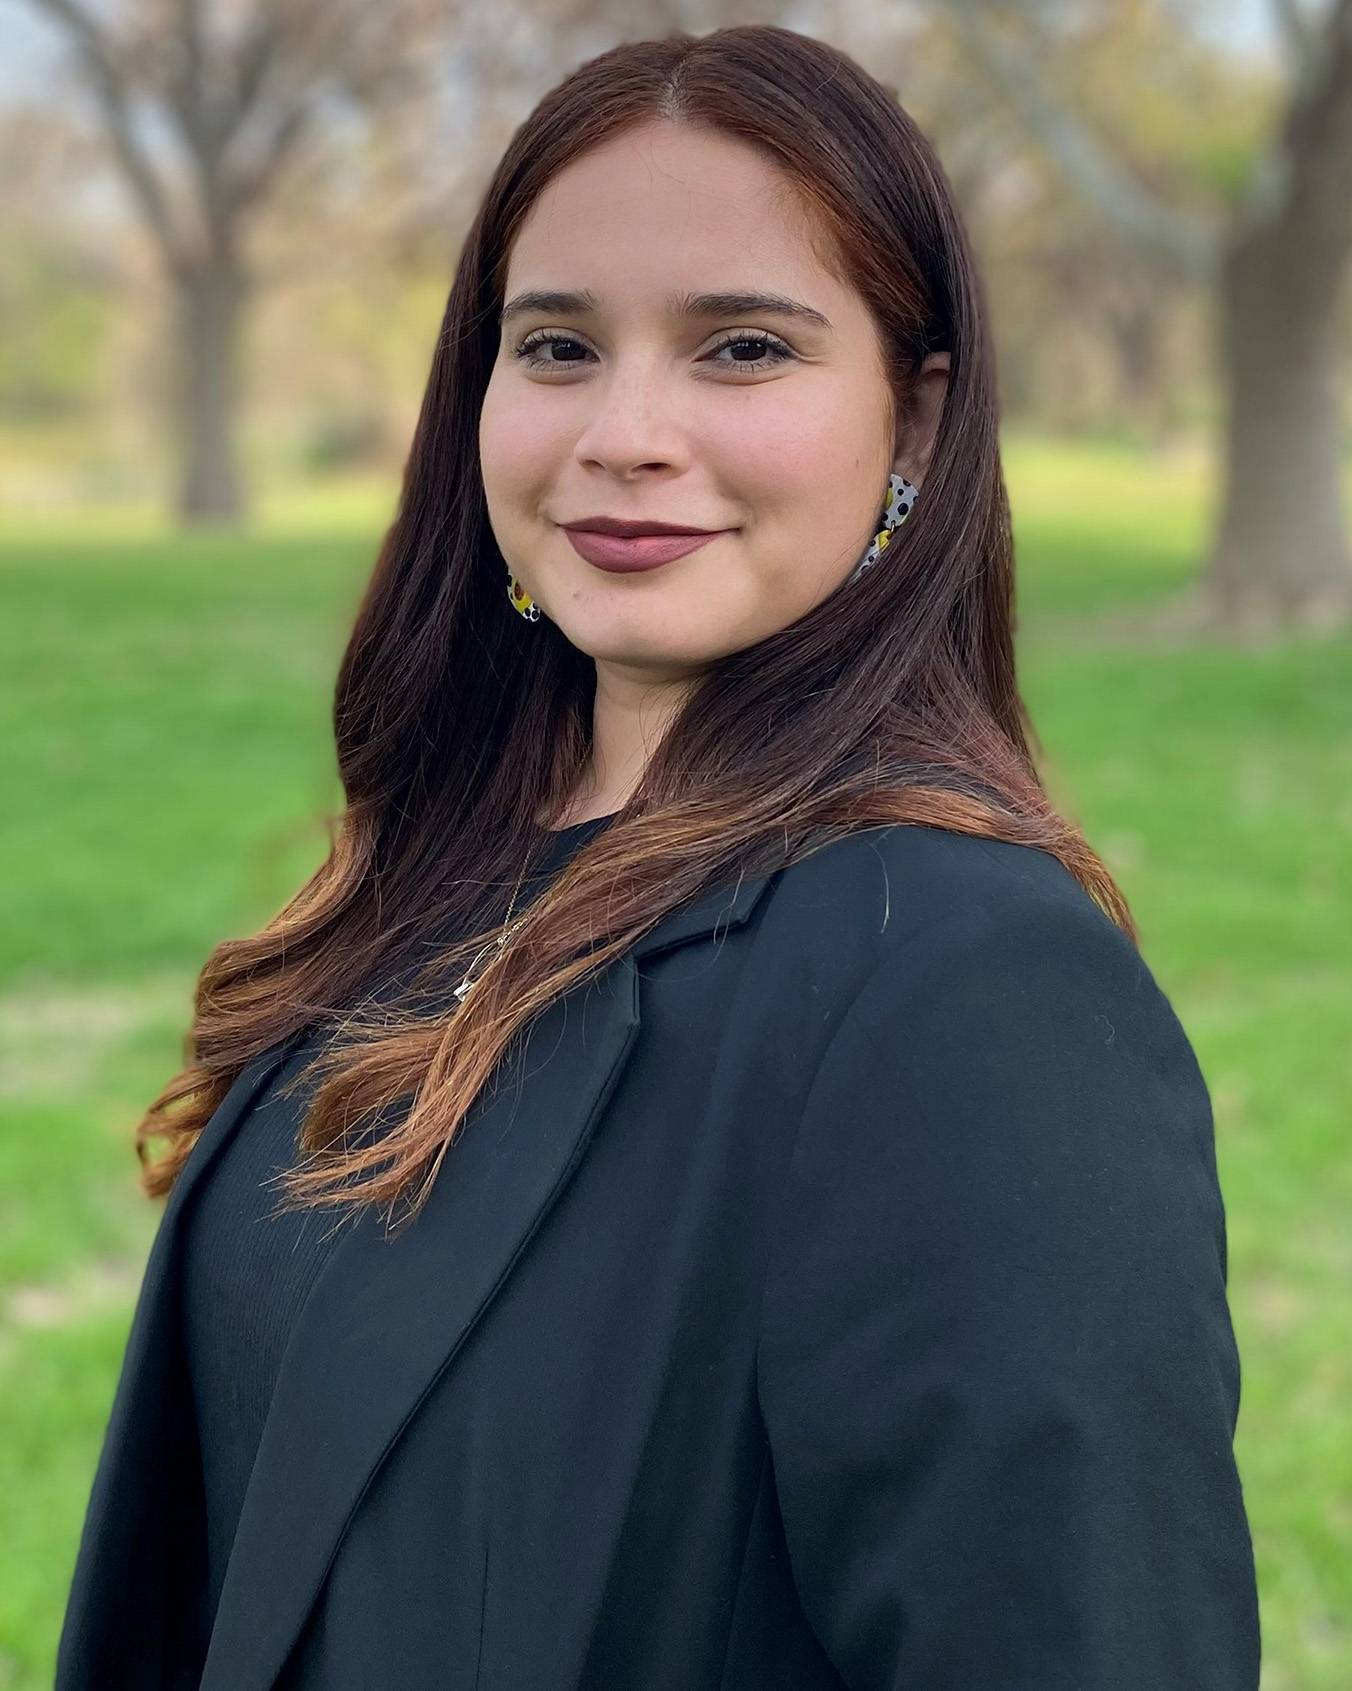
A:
[228,232]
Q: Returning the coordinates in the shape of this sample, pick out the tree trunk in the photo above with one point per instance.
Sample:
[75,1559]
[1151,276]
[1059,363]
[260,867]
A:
[1281,553]
[210,310]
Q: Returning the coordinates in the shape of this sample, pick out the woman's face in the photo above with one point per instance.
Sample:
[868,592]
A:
[623,405]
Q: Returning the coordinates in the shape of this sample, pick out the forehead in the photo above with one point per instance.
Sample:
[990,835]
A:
[668,211]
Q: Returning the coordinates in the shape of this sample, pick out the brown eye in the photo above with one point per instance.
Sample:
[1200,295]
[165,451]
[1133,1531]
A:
[772,351]
[765,351]
[529,350]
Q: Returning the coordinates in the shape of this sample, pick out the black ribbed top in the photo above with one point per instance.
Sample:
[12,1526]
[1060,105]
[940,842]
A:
[246,1271]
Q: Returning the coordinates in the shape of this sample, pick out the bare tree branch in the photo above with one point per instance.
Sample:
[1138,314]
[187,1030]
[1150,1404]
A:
[1147,221]
[248,183]
[1293,29]
[1306,175]
[256,56]
[110,83]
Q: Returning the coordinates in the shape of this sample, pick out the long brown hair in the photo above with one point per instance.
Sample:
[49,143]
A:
[458,725]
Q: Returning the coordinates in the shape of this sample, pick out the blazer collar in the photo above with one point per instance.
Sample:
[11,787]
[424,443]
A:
[396,1309]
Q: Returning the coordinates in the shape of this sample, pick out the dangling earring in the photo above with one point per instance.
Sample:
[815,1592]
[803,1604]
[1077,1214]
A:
[901,495]
[521,600]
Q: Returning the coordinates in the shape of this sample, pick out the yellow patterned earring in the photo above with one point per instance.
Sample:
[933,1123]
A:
[521,600]
[901,495]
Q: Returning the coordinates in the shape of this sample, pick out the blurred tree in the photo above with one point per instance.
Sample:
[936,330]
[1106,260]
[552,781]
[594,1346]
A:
[1123,360]
[204,108]
[1279,263]
[54,273]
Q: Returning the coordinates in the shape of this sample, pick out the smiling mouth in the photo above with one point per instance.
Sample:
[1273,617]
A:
[635,529]
[622,554]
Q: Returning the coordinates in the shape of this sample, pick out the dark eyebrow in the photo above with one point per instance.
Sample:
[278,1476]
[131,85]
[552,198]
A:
[567,303]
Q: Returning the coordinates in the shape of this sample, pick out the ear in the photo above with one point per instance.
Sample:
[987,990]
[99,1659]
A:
[926,405]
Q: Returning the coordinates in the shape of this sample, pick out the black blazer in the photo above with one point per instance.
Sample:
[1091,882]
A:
[832,1293]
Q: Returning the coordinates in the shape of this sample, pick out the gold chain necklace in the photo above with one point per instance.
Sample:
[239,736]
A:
[509,928]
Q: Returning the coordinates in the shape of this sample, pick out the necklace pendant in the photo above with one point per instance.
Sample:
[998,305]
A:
[462,991]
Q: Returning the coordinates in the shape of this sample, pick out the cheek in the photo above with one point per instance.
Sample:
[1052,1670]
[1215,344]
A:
[814,456]
[515,449]
[814,476]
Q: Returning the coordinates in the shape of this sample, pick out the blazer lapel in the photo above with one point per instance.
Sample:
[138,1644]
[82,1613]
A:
[388,1313]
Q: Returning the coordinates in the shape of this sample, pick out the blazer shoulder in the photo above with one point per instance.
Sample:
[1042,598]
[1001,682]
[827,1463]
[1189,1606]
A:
[926,918]
[995,1298]
[895,890]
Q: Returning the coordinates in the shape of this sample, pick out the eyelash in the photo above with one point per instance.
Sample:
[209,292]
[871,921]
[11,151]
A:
[544,337]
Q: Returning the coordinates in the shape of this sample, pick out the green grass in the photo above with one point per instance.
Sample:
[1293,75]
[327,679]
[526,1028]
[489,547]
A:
[164,720]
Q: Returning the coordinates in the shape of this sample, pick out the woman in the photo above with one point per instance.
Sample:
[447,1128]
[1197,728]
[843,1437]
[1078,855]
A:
[778,1240]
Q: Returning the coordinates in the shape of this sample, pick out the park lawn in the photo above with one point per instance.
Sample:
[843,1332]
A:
[164,715]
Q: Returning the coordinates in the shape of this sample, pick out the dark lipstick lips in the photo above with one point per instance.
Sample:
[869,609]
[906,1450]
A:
[623,553]
[632,528]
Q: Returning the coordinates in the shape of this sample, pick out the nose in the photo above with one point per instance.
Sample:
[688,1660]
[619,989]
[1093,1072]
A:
[632,426]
